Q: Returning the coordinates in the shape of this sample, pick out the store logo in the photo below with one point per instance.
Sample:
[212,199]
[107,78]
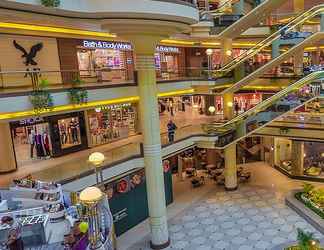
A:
[31,121]
[106,45]
[32,53]
[167,49]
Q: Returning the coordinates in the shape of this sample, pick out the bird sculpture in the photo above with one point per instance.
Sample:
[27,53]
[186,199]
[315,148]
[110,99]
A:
[32,53]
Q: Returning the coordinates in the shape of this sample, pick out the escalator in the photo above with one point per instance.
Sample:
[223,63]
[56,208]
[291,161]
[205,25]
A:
[311,40]
[222,9]
[289,99]
[269,40]
[251,18]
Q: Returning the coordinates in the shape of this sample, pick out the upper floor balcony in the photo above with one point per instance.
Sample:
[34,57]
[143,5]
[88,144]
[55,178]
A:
[183,11]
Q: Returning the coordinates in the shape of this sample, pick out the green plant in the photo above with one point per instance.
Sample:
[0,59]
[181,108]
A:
[304,239]
[51,3]
[307,189]
[77,94]
[41,99]
[308,204]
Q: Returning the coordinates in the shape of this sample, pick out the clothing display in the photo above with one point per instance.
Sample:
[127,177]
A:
[69,130]
[109,123]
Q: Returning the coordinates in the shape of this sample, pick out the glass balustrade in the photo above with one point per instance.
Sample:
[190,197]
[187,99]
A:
[248,122]
[283,32]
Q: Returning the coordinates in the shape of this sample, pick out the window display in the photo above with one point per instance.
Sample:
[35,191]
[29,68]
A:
[31,141]
[109,123]
[44,137]
[69,132]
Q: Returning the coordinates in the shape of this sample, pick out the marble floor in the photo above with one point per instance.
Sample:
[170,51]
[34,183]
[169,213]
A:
[253,217]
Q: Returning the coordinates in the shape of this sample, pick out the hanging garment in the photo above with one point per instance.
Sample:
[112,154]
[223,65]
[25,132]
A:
[46,144]
[39,146]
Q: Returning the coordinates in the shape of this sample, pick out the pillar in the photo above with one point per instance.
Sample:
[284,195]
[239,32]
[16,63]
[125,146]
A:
[7,159]
[238,8]
[226,47]
[322,23]
[230,171]
[239,72]
[145,48]
[228,103]
[211,156]
[297,159]
[275,46]
[298,62]
[299,6]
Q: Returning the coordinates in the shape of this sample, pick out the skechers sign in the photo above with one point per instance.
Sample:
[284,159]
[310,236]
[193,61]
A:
[107,45]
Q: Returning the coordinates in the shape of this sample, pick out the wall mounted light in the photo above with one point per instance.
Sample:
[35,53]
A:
[212,109]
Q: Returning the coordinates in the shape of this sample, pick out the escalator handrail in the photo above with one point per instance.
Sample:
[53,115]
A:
[236,86]
[218,10]
[261,105]
[266,42]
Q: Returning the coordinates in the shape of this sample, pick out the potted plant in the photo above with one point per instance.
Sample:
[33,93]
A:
[51,3]
[78,95]
[306,241]
[41,99]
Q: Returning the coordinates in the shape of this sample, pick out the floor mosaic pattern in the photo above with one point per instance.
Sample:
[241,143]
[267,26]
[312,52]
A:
[249,218]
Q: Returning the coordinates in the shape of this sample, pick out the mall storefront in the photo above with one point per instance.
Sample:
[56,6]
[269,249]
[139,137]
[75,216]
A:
[52,136]
[300,159]
[112,122]
[113,61]
[41,138]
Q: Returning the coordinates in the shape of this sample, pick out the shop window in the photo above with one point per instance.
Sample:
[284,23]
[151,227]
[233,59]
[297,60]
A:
[31,142]
[69,132]
[109,123]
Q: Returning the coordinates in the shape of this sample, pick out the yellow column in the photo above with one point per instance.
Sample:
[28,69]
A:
[226,50]
[228,103]
[149,116]
[299,6]
[230,171]
[7,159]
[297,147]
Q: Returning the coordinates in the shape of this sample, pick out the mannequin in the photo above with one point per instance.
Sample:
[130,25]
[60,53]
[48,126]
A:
[32,143]
[46,144]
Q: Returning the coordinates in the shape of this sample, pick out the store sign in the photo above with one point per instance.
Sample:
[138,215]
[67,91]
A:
[31,121]
[167,49]
[106,45]
[120,215]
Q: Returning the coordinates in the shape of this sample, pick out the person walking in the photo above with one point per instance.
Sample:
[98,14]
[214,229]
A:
[14,241]
[171,130]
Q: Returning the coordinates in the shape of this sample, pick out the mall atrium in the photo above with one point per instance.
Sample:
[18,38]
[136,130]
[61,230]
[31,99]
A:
[161,124]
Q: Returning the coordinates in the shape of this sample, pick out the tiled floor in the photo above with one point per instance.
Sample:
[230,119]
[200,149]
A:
[253,217]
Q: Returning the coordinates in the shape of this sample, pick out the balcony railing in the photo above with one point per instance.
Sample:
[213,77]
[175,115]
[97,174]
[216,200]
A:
[22,81]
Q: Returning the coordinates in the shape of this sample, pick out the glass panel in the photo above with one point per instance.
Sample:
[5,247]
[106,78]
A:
[288,99]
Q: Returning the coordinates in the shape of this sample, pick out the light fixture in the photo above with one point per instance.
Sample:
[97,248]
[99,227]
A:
[96,158]
[322,154]
[98,110]
[209,52]
[304,155]
[90,195]
[228,52]
[229,104]
[211,109]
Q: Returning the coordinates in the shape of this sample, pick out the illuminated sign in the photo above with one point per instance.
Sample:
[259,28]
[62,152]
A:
[31,121]
[123,46]
[106,45]
[167,49]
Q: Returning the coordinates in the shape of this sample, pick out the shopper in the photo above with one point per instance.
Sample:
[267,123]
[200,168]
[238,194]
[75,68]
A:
[171,130]
[236,107]
[14,241]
